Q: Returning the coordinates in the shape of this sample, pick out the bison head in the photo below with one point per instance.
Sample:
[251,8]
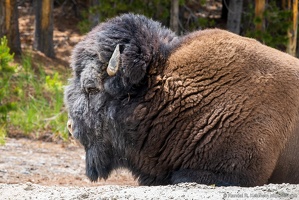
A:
[110,72]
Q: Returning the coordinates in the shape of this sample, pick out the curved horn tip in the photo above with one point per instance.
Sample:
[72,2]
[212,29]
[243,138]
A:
[114,62]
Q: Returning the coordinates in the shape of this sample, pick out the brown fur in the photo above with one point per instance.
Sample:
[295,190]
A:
[230,103]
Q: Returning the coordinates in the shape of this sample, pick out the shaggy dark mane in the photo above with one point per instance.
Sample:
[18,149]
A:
[143,41]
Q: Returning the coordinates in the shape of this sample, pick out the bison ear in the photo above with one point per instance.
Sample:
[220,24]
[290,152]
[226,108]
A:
[135,62]
[115,60]
[131,60]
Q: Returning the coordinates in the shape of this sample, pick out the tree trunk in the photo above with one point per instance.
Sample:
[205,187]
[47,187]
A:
[174,16]
[292,31]
[284,3]
[259,12]
[234,15]
[43,36]
[94,16]
[2,18]
[224,11]
[9,24]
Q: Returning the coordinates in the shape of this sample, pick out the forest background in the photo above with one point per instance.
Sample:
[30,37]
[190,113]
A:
[37,38]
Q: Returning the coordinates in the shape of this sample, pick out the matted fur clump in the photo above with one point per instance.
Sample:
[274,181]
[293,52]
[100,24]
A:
[210,107]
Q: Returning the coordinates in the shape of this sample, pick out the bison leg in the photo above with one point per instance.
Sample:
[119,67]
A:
[205,177]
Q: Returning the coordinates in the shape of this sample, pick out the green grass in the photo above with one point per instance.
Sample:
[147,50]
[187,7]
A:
[6,73]
[39,96]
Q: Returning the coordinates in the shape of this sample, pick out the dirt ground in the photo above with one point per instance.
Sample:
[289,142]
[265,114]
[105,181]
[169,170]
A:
[48,163]
[32,169]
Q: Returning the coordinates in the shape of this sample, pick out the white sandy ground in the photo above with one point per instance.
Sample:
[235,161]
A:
[39,170]
[181,191]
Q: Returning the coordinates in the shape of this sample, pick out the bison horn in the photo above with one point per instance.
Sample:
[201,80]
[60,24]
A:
[114,62]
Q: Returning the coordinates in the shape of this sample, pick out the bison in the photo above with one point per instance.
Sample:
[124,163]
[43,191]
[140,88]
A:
[209,107]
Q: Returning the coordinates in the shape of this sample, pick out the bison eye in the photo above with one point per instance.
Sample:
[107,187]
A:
[90,87]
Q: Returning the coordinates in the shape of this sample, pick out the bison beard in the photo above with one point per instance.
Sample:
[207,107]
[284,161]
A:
[210,107]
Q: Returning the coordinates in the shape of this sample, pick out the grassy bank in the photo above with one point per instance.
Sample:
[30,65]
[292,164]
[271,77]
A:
[33,97]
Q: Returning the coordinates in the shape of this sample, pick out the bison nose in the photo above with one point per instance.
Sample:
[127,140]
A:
[70,126]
